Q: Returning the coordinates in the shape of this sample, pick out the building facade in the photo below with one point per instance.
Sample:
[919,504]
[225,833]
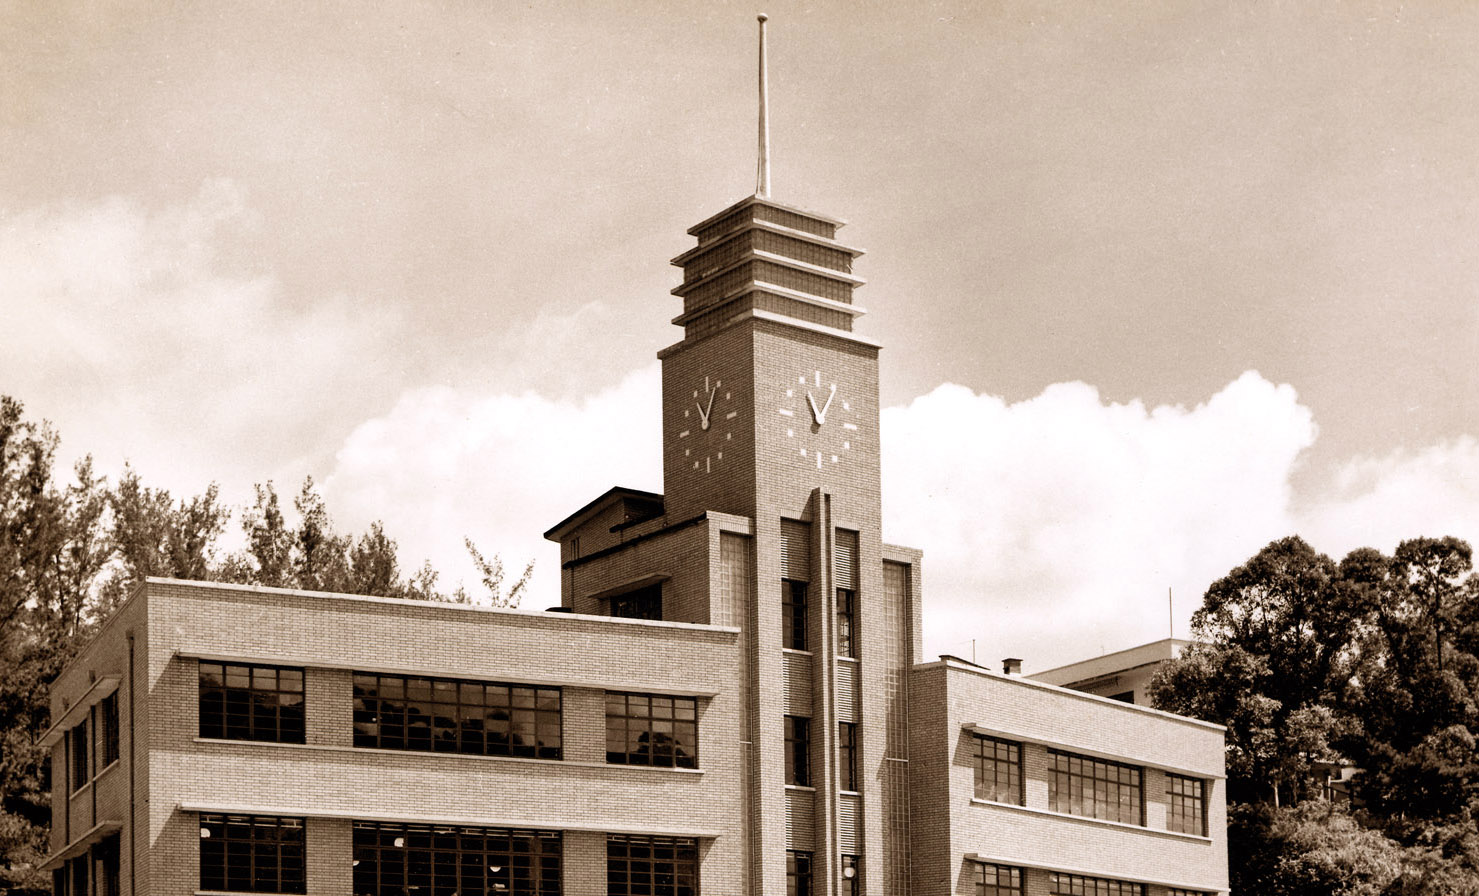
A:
[1122,675]
[731,698]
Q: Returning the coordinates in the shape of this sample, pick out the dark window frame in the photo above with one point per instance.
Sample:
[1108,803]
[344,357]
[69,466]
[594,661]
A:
[109,746]
[269,707]
[651,866]
[793,614]
[1186,804]
[798,750]
[847,622]
[847,756]
[798,873]
[391,859]
[79,772]
[997,880]
[107,854]
[424,714]
[639,603]
[635,721]
[1062,884]
[1090,787]
[253,853]
[850,885]
[997,765]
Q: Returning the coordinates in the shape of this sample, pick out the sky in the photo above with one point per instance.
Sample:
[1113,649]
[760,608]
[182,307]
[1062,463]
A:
[1157,283]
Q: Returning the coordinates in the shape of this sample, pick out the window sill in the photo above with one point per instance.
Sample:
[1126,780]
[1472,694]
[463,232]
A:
[797,651]
[243,893]
[82,787]
[1032,810]
[804,788]
[472,757]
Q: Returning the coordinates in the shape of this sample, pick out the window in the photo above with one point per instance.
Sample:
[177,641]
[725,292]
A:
[108,720]
[442,859]
[446,715]
[1096,788]
[793,614]
[998,880]
[998,765]
[846,598]
[1176,891]
[240,702]
[847,755]
[1186,812]
[651,866]
[798,750]
[644,729]
[106,853]
[798,873]
[251,854]
[852,877]
[77,751]
[1077,885]
[74,877]
[644,603]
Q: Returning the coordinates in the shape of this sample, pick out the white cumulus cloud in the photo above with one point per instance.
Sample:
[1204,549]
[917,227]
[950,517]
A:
[1053,527]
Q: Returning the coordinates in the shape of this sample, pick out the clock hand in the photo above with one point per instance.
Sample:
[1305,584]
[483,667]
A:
[816,415]
[822,417]
[710,409]
[703,416]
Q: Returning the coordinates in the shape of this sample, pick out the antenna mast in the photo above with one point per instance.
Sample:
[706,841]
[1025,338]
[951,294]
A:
[762,168]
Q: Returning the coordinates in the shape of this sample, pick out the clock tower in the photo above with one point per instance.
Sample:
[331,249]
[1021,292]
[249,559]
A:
[770,524]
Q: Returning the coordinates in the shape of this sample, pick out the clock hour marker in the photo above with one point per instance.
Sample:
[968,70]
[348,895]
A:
[834,458]
[687,452]
[790,393]
[819,378]
[847,446]
[819,460]
[849,425]
[720,456]
[787,411]
[801,380]
[695,465]
[846,406]
[683,434]
[706,466]
[728,436]
[803,452]
[790,433]
[731,414]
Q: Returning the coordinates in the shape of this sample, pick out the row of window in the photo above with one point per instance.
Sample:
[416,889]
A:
[799,878]
[798,753]
[94,873]
[794,615]
[1087,786]
[1006,880]
[81,740]
[263,854]
[444,715]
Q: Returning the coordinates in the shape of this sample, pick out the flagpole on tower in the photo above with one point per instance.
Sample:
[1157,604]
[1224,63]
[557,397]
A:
[762,172]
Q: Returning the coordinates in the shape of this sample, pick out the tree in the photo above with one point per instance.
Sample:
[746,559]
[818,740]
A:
[1371,662]
[490,572]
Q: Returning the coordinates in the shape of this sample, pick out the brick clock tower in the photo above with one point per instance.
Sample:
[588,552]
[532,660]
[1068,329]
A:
[770,524]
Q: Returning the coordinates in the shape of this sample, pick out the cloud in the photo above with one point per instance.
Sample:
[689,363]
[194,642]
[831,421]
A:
[500,468]
[141,336]
[1053,527]
[1378,502]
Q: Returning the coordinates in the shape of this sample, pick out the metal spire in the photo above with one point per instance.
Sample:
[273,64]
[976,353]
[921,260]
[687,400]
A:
[762,172]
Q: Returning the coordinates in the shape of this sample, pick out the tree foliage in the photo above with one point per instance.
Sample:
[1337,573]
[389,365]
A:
[71,552]
[1370,663]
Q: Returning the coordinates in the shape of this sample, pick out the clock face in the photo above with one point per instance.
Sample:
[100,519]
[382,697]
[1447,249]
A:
[820,420]
[707,425]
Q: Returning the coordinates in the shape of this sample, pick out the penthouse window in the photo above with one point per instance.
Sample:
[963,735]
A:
[247,702]
[1095,788]
[1078,885]
[643,603]
[251,854]
[397,859]
[998,880]
[998,767]
[793,614]
[1186,811]
[647,729]
[651,866]
[798,750]
[444,715]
